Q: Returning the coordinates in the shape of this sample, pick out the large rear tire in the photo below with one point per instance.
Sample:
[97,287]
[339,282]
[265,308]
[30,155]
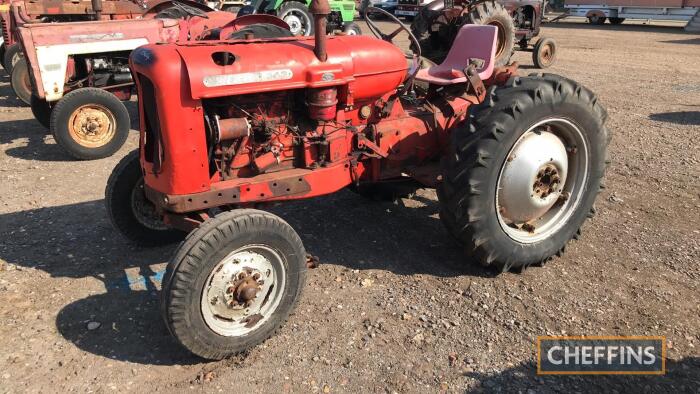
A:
[130,212]
[233,283]
[20,82]
[90,123]
[495,14]
[437,33]
[616,21]
[260,30]
[524,171]
[298,18]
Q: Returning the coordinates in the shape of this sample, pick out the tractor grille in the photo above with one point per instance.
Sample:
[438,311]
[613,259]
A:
[152,148]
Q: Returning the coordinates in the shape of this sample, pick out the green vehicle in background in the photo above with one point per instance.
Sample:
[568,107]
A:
[296,14]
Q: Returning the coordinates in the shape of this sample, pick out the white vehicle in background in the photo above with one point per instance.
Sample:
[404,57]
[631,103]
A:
[616,11]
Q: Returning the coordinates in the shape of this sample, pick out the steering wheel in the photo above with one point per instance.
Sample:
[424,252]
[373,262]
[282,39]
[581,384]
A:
[189,10]
[415,45]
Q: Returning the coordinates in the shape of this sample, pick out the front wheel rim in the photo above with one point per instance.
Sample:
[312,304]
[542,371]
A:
[298,23]
[547,53]
[144,211]
[243,290]
[538,190]
[92,125]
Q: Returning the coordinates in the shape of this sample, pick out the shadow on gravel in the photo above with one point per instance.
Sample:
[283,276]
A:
[691,41]
[36,147]
[691,118]
[624,27]
[682,376]
[77,241]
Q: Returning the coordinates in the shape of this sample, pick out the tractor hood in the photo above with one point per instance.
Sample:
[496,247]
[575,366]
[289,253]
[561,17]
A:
[213,69]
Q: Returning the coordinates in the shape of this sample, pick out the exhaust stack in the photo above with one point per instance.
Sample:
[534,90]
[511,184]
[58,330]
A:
[320,10]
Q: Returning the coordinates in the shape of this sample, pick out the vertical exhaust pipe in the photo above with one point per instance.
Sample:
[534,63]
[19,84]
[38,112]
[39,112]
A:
[97,9]
[320,10]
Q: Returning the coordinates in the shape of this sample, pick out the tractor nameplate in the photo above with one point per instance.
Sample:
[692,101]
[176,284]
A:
[243,78]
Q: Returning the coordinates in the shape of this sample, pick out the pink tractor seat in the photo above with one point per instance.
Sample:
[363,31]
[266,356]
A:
[474,43]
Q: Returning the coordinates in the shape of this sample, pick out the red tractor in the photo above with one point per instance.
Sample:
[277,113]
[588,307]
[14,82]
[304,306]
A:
[229,127]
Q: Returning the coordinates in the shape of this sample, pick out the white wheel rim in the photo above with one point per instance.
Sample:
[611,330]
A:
[230,316]
[542,180]
[298,24]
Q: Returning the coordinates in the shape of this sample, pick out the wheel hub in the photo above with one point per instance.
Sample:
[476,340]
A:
[92,125]
[547,181]
[294,22]
[542,180]
[242,290]
[532,176]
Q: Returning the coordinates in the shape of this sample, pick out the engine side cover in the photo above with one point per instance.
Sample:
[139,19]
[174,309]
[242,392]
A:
[373,66]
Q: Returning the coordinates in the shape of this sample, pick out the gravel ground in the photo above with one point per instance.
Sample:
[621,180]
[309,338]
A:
[394,306]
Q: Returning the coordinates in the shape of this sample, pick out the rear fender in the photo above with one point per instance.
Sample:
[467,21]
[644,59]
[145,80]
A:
[247,20]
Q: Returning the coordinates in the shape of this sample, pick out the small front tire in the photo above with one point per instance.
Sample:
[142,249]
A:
[233,283]
[90,123]
[130,212]
[544,53]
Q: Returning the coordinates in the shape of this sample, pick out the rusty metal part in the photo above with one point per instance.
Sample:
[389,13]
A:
[475,82]
[547,181]
[227,196]
[243,289]
[97,8]
[232,128]
[320,10]
[312,261]
[92,125]
[247,291]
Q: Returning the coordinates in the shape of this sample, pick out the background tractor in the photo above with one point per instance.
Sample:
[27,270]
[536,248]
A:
[299,18]
[518,22]
[16,13]
[76,75]
[230,127]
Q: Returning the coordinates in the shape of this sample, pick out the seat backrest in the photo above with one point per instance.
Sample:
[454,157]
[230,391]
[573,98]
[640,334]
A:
[473,42]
